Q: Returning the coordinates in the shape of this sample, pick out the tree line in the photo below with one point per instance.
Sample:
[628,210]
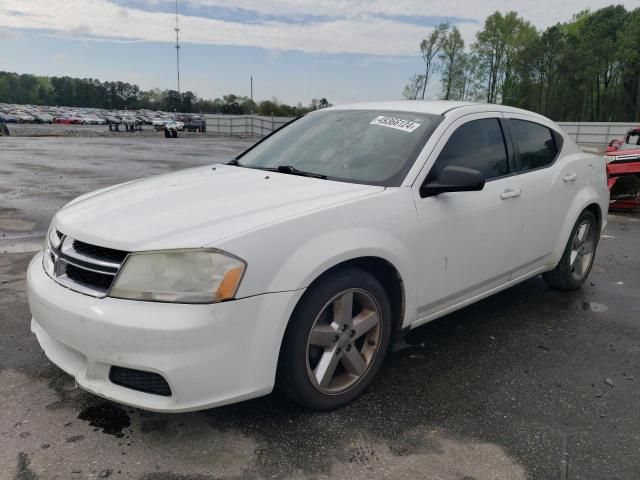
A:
[587,69]
[92,93]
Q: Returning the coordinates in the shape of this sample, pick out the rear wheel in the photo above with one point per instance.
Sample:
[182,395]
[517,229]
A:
[577,260]
[336,341]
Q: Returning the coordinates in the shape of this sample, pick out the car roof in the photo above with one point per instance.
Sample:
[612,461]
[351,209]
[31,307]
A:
[434,107]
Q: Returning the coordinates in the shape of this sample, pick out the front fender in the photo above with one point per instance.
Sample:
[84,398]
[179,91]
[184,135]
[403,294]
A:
[291,254]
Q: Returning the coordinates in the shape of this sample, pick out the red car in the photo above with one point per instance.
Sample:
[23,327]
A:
[64,120]
[623,170]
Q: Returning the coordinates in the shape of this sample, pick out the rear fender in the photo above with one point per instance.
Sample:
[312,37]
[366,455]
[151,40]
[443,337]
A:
[585,198]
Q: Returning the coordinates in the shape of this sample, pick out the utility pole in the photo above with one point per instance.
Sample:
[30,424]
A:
[252,94]
[177,29]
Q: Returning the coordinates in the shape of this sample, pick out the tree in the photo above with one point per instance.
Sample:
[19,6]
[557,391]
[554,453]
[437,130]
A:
[429,48]
[89,92]
[414,87]
[496,46]
[188,100]
[630,65]
[172,101]
[452,52]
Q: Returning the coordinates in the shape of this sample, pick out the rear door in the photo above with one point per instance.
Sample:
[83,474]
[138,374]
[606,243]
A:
[548,188]
[467,239]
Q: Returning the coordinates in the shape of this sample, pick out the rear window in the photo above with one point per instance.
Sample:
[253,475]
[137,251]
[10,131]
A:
[536,144]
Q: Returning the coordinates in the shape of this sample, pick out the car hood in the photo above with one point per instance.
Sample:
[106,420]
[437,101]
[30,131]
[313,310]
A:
[628,153]
[197,207]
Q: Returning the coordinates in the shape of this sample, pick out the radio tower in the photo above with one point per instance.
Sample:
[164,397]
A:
[177,29]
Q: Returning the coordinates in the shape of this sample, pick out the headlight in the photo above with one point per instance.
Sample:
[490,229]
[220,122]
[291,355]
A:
[52,242]
[181,276]
[54,237]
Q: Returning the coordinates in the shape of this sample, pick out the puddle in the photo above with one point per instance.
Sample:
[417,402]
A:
[108,418]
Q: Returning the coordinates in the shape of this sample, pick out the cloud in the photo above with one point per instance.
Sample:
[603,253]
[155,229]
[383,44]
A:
[61,57]
[542,13]
[6,34]
[104,19]
[374,27]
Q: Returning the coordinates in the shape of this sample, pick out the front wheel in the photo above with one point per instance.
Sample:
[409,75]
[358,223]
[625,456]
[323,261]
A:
[336,341]
[577,260]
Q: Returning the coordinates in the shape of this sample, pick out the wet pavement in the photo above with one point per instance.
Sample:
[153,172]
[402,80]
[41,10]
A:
[39,175]
[531,383]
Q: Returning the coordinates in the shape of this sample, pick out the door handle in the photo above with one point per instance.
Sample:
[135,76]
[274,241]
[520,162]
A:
[510,193]
[570,178]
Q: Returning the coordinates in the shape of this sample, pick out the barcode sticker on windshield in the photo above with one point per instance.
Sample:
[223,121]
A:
[397,123]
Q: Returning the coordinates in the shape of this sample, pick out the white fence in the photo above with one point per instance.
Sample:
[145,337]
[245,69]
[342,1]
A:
[596,133]
[244,125]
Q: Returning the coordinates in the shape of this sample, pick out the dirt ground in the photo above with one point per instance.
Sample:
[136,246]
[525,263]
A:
[531,383]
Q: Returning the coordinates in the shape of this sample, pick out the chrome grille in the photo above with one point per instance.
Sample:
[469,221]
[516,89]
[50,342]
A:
[84,268]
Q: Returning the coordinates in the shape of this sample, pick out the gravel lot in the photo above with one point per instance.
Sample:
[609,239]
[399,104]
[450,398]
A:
[61,130]
[531,383]
[44,173]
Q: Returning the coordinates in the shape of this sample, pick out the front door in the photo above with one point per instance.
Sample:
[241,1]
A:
[468,239]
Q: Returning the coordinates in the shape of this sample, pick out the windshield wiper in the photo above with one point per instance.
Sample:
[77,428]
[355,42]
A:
[291,170]
[288,169]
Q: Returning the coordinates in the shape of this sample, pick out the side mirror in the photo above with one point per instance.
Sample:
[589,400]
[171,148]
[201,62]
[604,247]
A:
[454,179]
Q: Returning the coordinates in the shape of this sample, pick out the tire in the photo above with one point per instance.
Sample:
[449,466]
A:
[352,352]
[577,259]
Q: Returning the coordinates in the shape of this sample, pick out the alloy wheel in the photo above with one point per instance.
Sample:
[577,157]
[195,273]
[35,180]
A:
[344,341]
[582,248]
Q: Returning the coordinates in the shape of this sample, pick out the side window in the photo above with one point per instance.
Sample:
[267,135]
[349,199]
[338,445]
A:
[478,144]
[535,142]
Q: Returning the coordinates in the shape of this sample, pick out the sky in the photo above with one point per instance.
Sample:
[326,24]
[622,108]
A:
[296,50]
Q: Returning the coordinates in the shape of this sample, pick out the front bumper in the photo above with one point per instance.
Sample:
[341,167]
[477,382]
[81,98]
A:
[210,355]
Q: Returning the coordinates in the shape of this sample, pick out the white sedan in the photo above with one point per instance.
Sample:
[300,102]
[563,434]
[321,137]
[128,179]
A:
[299,262]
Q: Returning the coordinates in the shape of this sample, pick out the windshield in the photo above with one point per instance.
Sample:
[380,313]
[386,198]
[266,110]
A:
[632,142]
[359,146]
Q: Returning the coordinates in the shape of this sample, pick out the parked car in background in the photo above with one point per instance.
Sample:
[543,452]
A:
[145,120]
[6,118]
[23,117]
[159,123]
[299,262]
[87,116]
[65,120]
[131,120]
[92,120]
[623,169]
[195,123]
[43,117]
